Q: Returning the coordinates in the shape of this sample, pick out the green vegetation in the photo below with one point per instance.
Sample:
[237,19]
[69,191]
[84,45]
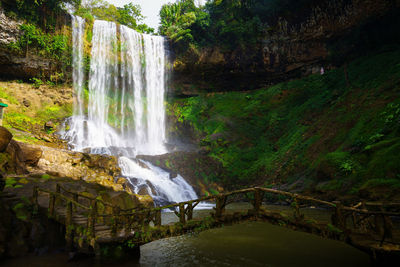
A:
[44,32]
[129,15]
[44,13]
[333,132]
[46,44]
[10,99]
[12,183]
[21,121]
[229,24]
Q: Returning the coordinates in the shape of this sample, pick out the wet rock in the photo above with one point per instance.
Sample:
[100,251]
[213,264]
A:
[49,126]
[121,180]
[5,138]
[26,102]
[193,166]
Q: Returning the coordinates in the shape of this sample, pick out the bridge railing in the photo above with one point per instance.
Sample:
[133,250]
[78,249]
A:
[373,218]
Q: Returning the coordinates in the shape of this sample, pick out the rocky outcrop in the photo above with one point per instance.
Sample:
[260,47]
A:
[5,138]
[37,160]
[292,46]
[23,156]
[198,169]
[17,64]
[101,169]
[9,29]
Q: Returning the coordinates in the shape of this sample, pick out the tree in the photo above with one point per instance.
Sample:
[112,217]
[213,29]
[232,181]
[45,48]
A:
[129,15]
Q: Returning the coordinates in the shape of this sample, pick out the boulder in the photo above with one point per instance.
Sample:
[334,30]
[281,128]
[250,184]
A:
[26,103]
[5,138]
[49,126]
[17,166]
[23,155]
[29,154]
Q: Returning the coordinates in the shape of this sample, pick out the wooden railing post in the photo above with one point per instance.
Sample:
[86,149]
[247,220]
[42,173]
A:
[114,227]
[76,198]
[58,191]
[189,211]
[69,226]
[35,196]
[157,218]
[258,196]
[387,226]
[182,218]
[220,206]
[52,203]
[338,218]
[92,218]
[295,205]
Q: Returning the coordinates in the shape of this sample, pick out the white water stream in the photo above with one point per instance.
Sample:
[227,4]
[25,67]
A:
[125,99]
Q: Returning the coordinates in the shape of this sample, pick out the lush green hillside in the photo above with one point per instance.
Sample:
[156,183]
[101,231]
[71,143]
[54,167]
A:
[331,133]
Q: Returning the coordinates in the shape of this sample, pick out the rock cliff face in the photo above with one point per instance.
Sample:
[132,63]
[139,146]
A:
[9,29]
[14,65]
[293,46]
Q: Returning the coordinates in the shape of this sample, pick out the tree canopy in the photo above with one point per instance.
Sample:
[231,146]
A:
[224,23]
[129,15]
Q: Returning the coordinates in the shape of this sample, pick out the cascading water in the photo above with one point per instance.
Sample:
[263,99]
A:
[126,114]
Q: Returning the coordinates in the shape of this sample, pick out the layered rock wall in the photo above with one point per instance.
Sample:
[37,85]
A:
[291,47]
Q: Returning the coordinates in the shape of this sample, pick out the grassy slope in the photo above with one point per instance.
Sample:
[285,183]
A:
[47,103]
[331,133]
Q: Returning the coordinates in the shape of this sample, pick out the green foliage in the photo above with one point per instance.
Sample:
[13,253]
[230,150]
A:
[26,123]
[10,99]
[229,24]
[168,164]
[21,211]
[129,15]
[334,229]
[19,121]
[393,183]
[51,45]
[316,127]
[39,12]
[12,183]
[45,177]
[37,82]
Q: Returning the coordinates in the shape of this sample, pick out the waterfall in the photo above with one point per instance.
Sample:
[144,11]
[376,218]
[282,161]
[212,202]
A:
[125,113]
[155,86]
[78,77]
[161,188]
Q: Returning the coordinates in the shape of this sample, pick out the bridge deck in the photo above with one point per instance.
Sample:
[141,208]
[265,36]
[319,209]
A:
[370,227]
